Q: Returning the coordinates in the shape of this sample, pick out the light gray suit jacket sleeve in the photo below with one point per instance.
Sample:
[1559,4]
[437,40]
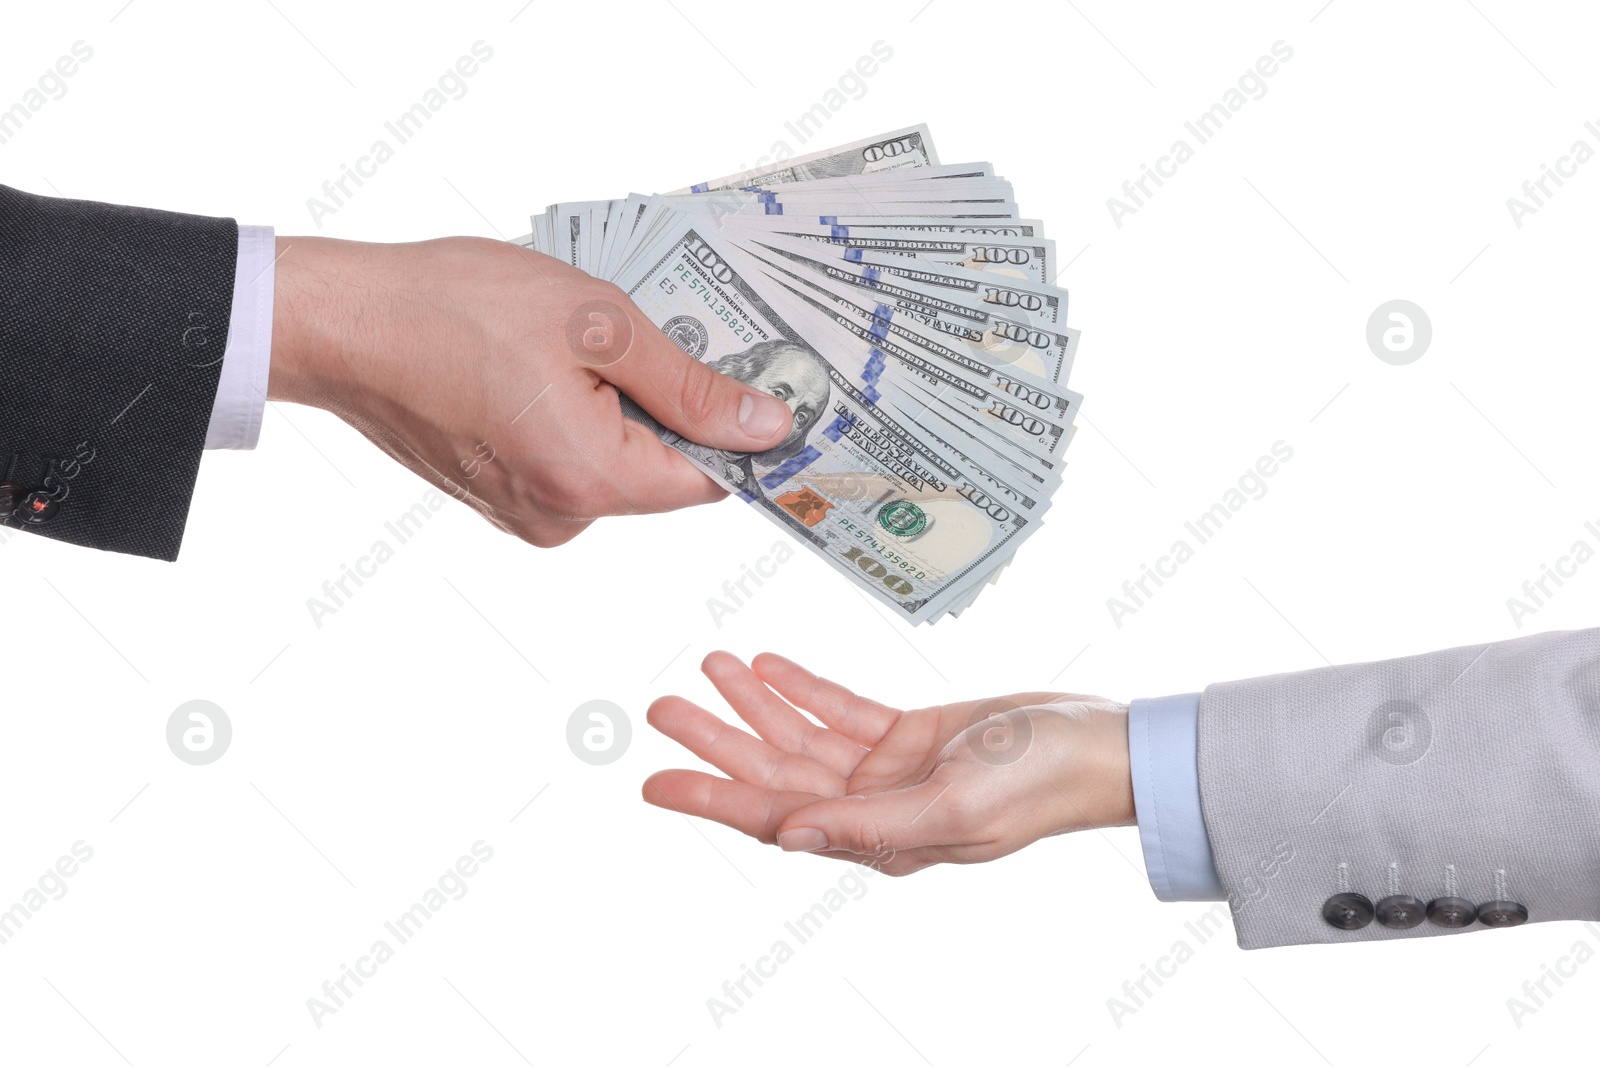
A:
[1472,772]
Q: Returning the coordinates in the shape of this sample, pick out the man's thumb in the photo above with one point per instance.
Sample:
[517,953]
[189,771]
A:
[690,398]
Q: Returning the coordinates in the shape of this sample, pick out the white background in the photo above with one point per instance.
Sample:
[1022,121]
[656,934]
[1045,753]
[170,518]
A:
[368,754]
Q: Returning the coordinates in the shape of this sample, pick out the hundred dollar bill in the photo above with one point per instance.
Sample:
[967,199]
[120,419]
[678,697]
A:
[943,222]
[639,218]
[575,226]
[915,178]
[850,197]
[1007,324]
[903,310]
[934,281]
[844,226]
[902,518]
[1023,259]
[910,147]
[1029,413]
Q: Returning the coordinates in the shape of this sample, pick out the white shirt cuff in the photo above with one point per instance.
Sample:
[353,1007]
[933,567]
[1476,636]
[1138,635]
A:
[242,389]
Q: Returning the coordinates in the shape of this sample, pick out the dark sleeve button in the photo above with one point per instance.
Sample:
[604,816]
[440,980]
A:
[1401,912]
[37,507]
[1452,912]
[11,495]
[1502,913]
[1347,911]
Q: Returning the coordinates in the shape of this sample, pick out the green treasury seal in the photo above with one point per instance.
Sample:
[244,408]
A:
[902,518]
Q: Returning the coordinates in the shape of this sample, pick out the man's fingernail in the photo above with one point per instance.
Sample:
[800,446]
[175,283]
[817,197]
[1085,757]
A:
[806,839]
[761,415]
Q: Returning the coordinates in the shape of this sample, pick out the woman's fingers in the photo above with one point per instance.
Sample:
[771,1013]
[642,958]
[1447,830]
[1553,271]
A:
[839,709]
[775,720]
[737,754]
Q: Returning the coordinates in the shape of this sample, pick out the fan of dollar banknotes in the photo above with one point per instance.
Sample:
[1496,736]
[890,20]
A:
[904,310]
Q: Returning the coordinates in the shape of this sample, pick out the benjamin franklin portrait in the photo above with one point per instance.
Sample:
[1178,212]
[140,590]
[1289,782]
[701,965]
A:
[794,374]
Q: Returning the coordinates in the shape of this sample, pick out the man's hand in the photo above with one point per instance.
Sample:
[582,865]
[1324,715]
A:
[492,371]
[897,790]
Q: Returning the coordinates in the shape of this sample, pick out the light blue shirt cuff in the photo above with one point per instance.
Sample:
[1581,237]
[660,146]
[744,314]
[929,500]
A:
[1166,798]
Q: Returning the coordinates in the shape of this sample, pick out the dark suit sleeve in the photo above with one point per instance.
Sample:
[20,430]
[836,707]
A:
[113,322]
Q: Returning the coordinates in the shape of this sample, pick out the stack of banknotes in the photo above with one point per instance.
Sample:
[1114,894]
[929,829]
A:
[906,312]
